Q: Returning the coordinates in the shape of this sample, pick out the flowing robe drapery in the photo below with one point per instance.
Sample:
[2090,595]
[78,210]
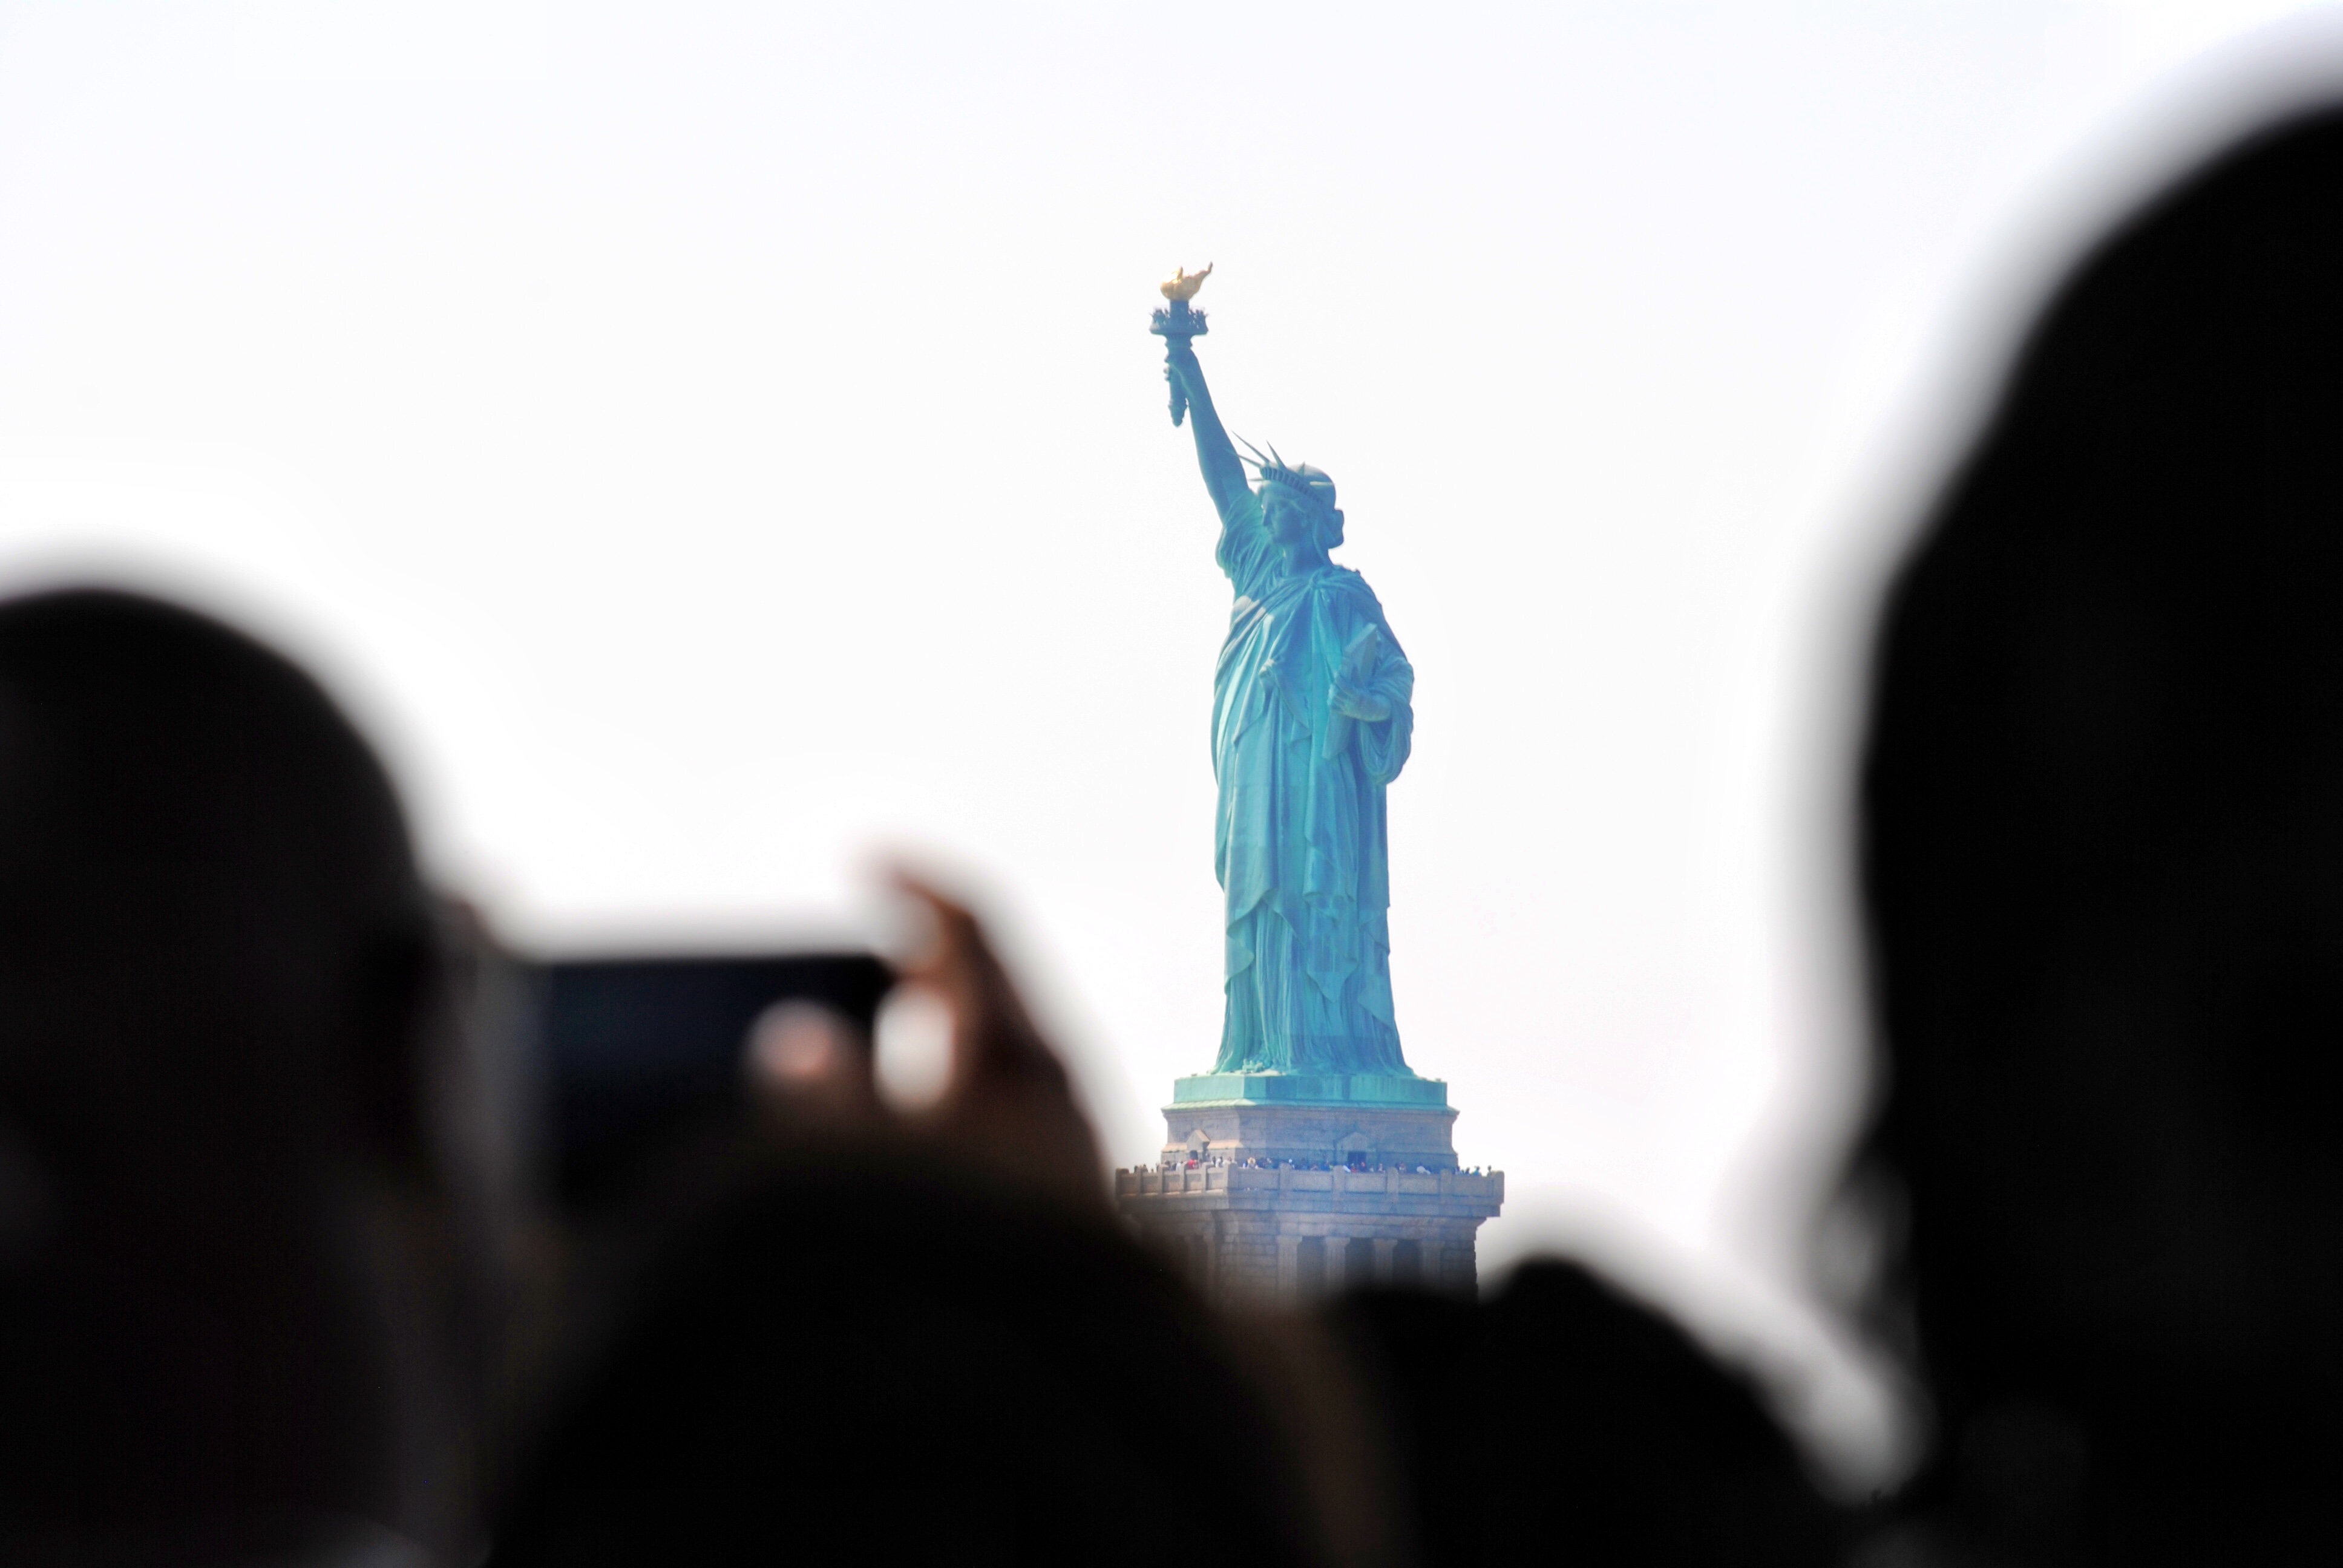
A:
[1300,843]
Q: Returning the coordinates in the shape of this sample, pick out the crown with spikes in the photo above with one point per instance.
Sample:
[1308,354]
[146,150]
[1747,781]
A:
[1313,485]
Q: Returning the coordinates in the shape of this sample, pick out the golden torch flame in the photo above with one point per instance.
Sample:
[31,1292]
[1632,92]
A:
[1183,285]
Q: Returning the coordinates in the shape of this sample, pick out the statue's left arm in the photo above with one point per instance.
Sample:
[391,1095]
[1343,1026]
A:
[1378,694]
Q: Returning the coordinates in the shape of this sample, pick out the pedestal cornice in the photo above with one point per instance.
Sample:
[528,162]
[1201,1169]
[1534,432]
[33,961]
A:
[1364,1088]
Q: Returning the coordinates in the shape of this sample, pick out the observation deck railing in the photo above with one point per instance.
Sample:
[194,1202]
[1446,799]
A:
[1486,1187]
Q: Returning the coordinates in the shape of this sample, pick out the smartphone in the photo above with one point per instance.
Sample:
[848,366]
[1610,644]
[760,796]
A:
[630,1051]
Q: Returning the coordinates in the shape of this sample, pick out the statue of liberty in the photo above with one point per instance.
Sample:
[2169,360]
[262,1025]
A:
[1310,721]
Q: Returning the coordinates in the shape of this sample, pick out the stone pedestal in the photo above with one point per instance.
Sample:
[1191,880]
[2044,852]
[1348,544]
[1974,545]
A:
[1304,1185]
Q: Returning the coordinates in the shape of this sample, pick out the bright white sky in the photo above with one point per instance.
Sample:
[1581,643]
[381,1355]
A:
[705,444]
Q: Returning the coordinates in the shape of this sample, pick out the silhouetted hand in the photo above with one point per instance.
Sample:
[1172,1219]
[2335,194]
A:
[1008,1102]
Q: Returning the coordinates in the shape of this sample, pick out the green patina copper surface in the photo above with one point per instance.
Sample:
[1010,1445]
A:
[1311,723]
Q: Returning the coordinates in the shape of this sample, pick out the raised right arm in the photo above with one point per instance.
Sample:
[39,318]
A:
[1224,474]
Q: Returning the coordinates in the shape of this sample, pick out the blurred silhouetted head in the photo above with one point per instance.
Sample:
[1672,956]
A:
[2102,849]
[219,1019]
[869,1353]
[1563,1420]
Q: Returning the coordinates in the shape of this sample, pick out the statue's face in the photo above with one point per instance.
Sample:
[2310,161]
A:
[1287,519]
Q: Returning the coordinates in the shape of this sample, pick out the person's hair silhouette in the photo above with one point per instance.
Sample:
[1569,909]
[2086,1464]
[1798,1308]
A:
[2102,858]
[238,1289]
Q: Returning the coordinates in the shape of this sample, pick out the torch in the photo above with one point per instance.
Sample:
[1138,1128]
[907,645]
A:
[1179,324]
